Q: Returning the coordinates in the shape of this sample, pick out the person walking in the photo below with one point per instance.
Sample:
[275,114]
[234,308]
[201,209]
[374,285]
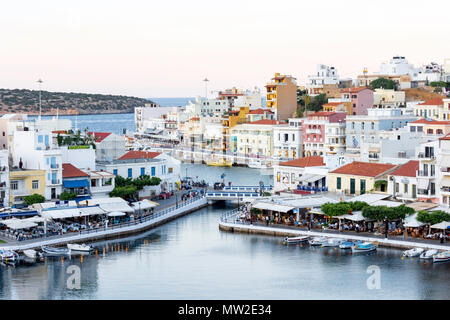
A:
[441,237]
[267,220]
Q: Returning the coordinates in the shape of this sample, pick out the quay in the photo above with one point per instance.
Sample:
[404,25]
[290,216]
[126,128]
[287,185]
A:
[230,223]
[139,225]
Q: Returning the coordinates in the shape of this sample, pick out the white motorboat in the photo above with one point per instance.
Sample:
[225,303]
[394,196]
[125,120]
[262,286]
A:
[349,244]
[428,254]
[333,242]
[442,257]
[256,164]
[8,255]
[49,251]
[413,252]
[295,240]
[317,241]
[30,253]
[79,247]
[364,247]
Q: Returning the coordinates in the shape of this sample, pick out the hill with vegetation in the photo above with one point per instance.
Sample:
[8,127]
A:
[27,101]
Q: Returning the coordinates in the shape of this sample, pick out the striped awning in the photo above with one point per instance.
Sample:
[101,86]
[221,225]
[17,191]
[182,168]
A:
[423,184]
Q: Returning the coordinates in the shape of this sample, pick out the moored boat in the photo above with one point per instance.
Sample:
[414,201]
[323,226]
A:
[333,242]
[79,247]
[349,244]
[219,163]
[317,241]
[49,251]
[295,240]
[442,257]
[428,254]
[8,255]
[413,252]
[364,247]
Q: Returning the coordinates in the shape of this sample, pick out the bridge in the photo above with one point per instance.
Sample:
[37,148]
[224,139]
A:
[247,188]
[236,192]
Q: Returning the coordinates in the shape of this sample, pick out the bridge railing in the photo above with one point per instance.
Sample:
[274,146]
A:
[232,194]
[245,188]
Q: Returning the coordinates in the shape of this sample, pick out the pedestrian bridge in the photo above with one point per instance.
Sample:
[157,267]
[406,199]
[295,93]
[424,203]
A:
[230,195]
[247,188]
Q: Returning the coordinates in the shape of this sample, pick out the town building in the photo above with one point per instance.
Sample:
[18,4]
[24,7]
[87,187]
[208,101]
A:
[427,175]
[282,96]
[443,170]
[361,99]
[325,75]
[388,98]
[75,181]
[259,114]
[25,182]
[287,139]
[108,146]
[4,178]
[402,182]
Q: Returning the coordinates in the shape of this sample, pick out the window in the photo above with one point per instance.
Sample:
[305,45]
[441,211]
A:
[405,188]
[278,177]
[153,171]
[430,131]
[353,125]
[396,187]
[362,125]
[372,125]
[130,172]
[14,185]
[338,183]
[419,129]
[142,171]
[40,139]
[35,184]
[292,178]
[170,170]
[412,129]
[439,131]
[93,182]
[115,172]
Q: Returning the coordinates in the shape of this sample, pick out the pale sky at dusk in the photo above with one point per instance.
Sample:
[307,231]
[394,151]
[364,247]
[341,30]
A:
[165,48]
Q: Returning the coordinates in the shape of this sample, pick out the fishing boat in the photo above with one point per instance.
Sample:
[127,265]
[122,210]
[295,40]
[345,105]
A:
[295,240]
[413,252]
[349,244]
[79,247]
[256,164]
[428,254]
[442,257]
[49,251]
[333,242]
[32,254]
[219,163]
[364,247]
[317,241]
[8,255]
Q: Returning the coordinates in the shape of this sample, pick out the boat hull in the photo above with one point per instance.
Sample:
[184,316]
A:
[428,254]
[288,241]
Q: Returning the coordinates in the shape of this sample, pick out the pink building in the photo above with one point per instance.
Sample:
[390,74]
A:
[315,131]
[361,99]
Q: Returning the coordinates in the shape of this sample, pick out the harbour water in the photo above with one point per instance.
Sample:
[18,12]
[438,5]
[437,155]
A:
[190,258]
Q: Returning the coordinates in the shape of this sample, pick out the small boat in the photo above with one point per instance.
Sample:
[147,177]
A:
[442,257]
[349,244]
[428,254]
[295,240]
[317,241]
[333,242]
[413,252]
[79,247]
[219,163]
[32,254]
[49,251]
[8,255]
[364,247]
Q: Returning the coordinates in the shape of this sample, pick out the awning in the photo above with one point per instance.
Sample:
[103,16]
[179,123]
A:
[22,225]
[116,214]
[76,183]
[412,222]
[272,207]
[442,225]
[423,184]
[144,204]
[355,216]
[61,213]
[312,178]
[110,207]
[90,211]
[445,182]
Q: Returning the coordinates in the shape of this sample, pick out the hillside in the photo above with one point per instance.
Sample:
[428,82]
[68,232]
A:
[420,94]
[27,101]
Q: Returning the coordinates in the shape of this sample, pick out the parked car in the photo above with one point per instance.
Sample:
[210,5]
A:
[20,206]
[74,227]
[219,185]
[164,195]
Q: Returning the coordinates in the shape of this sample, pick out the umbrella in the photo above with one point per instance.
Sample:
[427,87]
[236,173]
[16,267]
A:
[22,225]
[442,225]
[412,222]
[116,214]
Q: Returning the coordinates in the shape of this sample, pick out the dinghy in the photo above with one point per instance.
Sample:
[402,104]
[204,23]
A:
[8,256]
[79,247]
[49,251]
[428,254]
[349,244]
[413,252]
[442,257]
[295,240]
[317,241]
[364,247]
[333,242]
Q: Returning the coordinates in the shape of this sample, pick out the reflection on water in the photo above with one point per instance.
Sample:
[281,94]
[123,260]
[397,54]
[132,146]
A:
[190,258]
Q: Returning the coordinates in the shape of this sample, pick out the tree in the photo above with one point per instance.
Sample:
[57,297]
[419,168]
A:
[317,102]
[60,139]
[380,213]
[67,196]
[34,198]
[433,217]
[383,83]
[336,209]
[124,192]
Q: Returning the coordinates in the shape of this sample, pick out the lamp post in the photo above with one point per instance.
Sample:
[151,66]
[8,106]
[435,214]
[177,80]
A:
[40,101]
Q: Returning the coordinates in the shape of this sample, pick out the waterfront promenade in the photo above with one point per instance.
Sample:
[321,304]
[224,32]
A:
[231,223]
[138,225]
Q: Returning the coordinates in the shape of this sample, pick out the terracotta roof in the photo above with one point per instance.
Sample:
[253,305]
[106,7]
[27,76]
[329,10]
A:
[332,104]
[139,155]
[313,161]
[321,114]
[407,170]
[430,121]
[267,121]
[366,169]
[99,136]
[354,90]
[446,137]
[432,102]
[259,111]
[70,171]
[59,131]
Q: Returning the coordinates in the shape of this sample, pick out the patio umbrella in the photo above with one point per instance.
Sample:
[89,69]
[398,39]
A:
[442,225]
[116,214]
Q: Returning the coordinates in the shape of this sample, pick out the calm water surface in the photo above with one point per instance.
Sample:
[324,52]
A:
[190,258]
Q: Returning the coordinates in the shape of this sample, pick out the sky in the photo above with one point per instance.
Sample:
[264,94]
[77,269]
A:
[166,48]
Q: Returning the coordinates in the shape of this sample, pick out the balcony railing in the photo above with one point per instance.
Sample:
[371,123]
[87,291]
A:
[445,189]
[54,181]
[54,165]
[422,173]
[422,155]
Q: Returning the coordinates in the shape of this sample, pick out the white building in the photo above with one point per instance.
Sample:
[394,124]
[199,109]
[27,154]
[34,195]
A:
[388,98]
[427,175]
[4,178]
[402,182]
[207,106]
[325,75]
[34,150]
[82,158]
[287,139]
[108,146]
[397,66]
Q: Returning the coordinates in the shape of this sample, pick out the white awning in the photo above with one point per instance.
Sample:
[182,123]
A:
[444,225]
[272,206]
[110,207]
[355,216]
[90,211]
[22,225]
[445,182]
[423,184]
[144,204]
[386,203]
[412,222]
[61,214]
[7,222]
[369,198]
[116,214]
[314,178]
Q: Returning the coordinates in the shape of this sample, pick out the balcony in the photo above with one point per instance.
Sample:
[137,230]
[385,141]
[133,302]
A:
[315,131]
[373,156]
[426,156]
[445,171]
[54,182]
[425,174]
[54,166]
[426,193]
[445,191]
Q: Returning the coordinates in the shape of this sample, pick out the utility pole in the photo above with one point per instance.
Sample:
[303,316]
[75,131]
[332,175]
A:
[206,87]
[40,100]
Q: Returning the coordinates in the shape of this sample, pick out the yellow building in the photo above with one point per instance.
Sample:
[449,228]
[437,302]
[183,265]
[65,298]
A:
[338,107]
[282,96]
[233,118]
[24,182]
[359,177]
